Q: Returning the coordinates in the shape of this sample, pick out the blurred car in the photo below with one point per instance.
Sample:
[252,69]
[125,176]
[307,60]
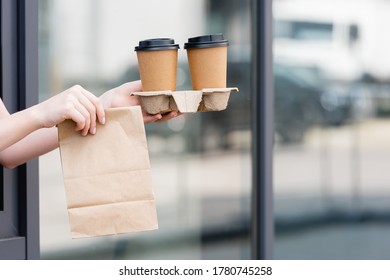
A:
[303,99]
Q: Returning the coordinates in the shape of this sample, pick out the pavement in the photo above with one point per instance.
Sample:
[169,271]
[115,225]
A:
[341,169]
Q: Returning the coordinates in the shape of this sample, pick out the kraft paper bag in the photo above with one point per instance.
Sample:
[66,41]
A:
[107,176]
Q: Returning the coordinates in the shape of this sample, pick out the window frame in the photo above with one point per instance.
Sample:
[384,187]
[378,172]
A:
[19,90]
[262,131]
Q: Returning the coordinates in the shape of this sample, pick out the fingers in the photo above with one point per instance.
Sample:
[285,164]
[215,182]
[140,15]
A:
[83,124]
[78,118]
[169,116]
[86,107]
[159,117]
[151,118]
[97,106]
[90,108]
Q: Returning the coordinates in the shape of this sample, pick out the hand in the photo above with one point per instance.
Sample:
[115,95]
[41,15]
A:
[75,103]
[120,97]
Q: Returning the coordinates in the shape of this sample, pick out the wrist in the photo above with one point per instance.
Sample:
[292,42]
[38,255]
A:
[106,99]
[35,117]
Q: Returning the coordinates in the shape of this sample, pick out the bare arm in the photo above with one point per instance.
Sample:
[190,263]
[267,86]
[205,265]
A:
[30,132]
[32,141]
[15,127]
[35,144]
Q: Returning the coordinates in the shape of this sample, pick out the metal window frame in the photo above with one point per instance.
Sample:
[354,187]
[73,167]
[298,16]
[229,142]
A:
[262,230]
[28,91]
[19,77]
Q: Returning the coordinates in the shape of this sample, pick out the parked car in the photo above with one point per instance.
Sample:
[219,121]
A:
[303,99]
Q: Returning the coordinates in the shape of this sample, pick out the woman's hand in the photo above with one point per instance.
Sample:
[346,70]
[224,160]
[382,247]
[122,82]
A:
[75,103]
[120,97]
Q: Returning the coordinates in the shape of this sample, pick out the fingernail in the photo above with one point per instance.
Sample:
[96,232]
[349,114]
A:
[94,130]
[103,120]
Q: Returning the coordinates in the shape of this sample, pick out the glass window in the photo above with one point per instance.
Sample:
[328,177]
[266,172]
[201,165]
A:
[301,30]
[353,34]
[200,162]
[332,148]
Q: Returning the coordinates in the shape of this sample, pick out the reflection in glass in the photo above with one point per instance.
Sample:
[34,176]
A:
[332,149]
[200,162]
[300,30]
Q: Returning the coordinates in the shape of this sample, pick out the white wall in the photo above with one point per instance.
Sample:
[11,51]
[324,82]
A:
[96,38]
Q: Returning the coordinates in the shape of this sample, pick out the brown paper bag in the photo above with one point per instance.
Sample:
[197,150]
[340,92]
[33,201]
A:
[107,176]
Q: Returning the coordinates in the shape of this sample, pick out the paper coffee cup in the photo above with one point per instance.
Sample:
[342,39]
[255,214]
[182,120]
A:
[157,63]
[207,59]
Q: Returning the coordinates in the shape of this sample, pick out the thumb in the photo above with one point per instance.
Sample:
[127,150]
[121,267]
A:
[135,86]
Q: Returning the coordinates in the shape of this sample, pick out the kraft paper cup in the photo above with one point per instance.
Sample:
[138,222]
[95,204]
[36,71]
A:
[207,59]
[157,63]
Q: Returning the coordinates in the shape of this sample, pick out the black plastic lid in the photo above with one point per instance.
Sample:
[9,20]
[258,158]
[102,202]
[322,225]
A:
[206,41]
[157,44]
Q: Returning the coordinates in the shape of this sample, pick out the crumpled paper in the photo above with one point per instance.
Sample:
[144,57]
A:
[107,176]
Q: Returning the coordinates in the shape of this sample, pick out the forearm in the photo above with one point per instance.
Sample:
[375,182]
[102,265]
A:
[15,127]
[35,144]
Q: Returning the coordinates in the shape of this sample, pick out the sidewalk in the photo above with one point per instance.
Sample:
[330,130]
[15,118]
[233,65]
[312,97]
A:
[341,168]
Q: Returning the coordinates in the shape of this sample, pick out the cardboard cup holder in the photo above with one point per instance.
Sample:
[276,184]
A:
[188,101]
